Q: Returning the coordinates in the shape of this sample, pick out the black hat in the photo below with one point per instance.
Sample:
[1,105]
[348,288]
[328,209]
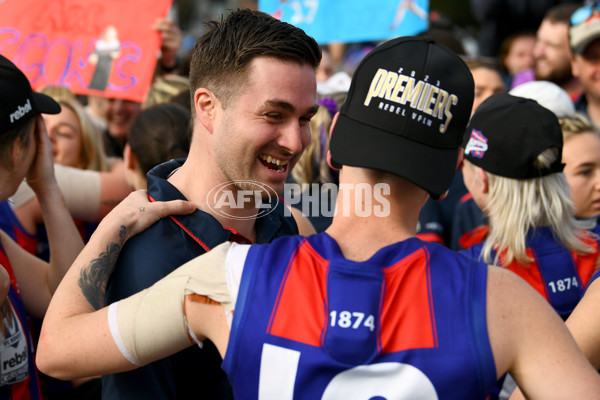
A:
[405,113]
[18,102]
[506,134]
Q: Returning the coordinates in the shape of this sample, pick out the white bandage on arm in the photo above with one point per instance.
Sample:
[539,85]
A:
[80,188]
[151,325]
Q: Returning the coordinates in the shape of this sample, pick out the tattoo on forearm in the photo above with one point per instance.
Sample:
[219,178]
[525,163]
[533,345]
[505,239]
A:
[94,277]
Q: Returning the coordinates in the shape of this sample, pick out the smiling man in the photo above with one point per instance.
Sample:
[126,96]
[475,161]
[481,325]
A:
[584,35]
[253,94]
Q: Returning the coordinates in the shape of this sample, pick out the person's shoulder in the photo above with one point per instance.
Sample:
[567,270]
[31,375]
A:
[165,169]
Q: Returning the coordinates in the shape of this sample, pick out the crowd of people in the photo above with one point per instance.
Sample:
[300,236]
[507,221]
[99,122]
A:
[421,223]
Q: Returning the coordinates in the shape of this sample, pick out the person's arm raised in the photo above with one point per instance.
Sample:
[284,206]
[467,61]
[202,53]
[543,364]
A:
[75,340]
[37,279]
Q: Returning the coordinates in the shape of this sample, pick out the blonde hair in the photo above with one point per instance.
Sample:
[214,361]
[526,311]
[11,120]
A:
[576,124]
[58,93]
[312,165]
[164,88]
[91,154]
[517,206]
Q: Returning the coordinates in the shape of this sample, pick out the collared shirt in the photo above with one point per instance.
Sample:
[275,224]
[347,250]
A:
[153,254]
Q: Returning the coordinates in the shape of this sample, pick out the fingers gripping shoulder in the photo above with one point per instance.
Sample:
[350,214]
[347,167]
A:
[151,324]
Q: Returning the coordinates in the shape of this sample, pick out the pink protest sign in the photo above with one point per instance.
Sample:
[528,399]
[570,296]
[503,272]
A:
[105,47]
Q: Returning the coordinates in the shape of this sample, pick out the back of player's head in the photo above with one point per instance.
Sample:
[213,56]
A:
[405,113]
[508,135]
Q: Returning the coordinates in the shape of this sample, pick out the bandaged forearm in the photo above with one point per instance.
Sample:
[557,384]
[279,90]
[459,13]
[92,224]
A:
[152,324]
[80,188]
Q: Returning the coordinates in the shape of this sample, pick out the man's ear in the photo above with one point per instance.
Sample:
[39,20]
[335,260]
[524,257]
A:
[459,160]
[205,103]
[129,158]
[15,152]
[483,178]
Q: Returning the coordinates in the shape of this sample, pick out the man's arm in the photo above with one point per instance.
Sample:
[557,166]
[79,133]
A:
[530,341]
[584,323]
[75,340]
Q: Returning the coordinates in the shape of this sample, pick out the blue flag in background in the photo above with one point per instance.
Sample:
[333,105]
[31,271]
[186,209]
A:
[351,20]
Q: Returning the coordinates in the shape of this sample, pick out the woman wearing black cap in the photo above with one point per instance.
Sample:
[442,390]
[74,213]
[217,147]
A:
[513,170]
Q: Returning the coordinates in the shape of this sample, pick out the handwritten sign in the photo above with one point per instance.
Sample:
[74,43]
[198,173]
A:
[104,47]
[351,20]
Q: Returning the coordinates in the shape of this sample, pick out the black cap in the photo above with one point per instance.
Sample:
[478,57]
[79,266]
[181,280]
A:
[507,133]
[18,102]
[405,113]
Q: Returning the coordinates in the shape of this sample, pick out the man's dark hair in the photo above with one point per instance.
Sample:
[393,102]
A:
[223,53]
[160,133]
[561,13]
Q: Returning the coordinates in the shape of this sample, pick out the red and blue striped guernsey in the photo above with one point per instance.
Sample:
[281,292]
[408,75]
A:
[309,324]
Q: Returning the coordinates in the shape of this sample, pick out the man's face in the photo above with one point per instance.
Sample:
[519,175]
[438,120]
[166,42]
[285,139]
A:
[586,67]
[265,128]
[551,53]
[487,82]
[120,116]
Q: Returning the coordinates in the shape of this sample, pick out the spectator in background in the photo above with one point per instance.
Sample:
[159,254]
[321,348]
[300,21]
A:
[516,55]
[312,171]
[168,88]
[552,53]
[160,133]
[120,114]
[585,45]
[499,19]
[488,79]
[581,155]
[326,68]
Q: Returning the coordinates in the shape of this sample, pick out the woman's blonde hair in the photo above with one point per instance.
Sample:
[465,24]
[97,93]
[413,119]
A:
[517,206]
[576,124]
[312,165]
[92,153]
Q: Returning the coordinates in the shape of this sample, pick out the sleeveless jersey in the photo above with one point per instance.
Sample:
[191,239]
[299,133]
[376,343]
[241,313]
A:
[11,225]
[408,323]
[556,273]
[18,376]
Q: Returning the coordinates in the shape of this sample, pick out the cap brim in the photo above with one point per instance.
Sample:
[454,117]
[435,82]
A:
[358,145]
[45,104]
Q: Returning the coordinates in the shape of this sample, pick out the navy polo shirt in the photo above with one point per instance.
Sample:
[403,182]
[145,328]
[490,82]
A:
[150,256]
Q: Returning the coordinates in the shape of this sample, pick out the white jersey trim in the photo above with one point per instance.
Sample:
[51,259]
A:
[113,324]
[234,267]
